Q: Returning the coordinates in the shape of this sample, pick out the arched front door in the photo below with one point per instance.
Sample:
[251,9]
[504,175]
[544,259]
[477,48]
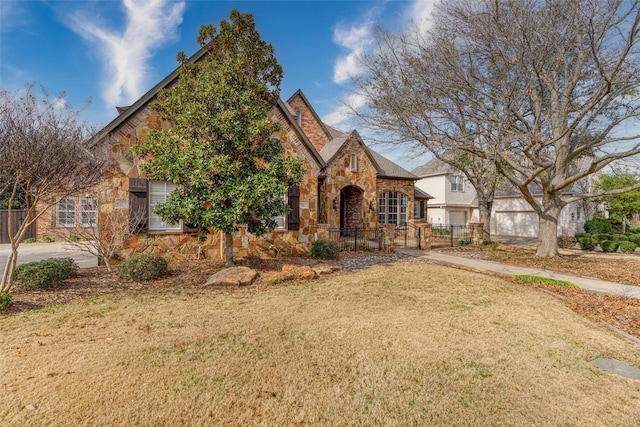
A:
[350,207]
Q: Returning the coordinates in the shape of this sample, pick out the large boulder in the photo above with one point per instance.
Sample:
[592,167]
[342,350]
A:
[235,276]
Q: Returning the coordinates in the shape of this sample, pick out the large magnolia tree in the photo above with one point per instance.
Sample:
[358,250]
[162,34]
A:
[546,91]
[42,159]
[220,147]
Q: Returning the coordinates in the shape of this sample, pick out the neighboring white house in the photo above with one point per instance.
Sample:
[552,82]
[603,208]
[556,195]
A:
[454,198]
[455,203]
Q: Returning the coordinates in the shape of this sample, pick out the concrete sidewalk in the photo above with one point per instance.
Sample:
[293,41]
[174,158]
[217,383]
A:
[481,266]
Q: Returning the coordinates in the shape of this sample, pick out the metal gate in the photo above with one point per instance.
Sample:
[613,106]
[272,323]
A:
[357,239]
[17,217]
[407,237]
[451,235]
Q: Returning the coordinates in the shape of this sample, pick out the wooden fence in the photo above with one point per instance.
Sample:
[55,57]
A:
[17,216]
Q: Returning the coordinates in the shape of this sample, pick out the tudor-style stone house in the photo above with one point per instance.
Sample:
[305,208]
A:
[345,185]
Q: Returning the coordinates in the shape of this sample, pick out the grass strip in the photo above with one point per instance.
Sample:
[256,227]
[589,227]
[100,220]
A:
[526,278]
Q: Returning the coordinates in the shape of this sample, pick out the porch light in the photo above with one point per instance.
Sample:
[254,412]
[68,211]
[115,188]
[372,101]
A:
[335,204]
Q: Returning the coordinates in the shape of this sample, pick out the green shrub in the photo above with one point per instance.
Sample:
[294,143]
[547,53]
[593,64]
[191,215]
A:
[602,237]
[74,238]
[143,267]
[30,240]
[363,245]
[464,241]
[69,264]
[37,275]
[525,278]
[5,300]
[580,235]
[633,229]
[567,242]
[47,239]
[325,249]
[587,243]
[489,245]
[609,245]
[597,225]
[627,247]
[348,246]
[635,238]
[619,237]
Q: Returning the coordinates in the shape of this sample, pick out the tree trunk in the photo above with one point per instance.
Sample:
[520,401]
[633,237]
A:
[228,250]
[7,275]
[484,210]
[548,230]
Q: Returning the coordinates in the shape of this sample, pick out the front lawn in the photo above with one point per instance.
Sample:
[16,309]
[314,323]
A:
[395,344]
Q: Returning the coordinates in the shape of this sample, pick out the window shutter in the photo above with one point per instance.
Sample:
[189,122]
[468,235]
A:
[138,204]
[293,219]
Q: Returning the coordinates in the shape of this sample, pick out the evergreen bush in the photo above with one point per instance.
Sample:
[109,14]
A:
[635,238]
[143,267]
[609,245]
[597,225]
[627,247]
[325,249]
[68,263]
[587,243]
[38,275]
[600,237]
[5,300]
[619,237]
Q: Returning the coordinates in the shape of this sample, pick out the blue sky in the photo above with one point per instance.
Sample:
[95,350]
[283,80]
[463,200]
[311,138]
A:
[113,51]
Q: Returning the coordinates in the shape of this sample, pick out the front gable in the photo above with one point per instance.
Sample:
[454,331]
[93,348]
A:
[308,120]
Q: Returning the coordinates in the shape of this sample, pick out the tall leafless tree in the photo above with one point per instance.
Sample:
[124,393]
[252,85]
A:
[549,88]
[42,158]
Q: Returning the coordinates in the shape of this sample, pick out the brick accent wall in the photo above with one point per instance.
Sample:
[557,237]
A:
[309,124]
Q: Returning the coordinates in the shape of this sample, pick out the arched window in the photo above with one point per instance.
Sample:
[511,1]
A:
[392,208]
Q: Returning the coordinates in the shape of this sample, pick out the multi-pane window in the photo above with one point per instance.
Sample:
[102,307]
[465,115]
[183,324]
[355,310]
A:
[72,211]
[417,209]
[66,212]
[457,183]
[392,208]
[88,212]
[159,192]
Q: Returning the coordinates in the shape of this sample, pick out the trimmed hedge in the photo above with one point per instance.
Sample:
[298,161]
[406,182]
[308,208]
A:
[600,237]
[635,238]
[325,249]
[609,245]
[45,274]
[580,235]
[5,300]
[619,237]
[68,263]
[143,267]
[627,247]
[587,243]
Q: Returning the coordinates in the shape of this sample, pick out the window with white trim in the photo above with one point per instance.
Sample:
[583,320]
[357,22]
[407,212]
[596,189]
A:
[417,209]
[457,183]
[354,162]
[159,193]
[66,212]
[88,212]
[392,208]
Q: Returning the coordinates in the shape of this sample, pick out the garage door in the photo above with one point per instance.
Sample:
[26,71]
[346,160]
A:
[520,224]
[458,218]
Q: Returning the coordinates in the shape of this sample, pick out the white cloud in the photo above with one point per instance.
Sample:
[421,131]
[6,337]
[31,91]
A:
[344,112]
[420,13]
[356,40]
[149,25]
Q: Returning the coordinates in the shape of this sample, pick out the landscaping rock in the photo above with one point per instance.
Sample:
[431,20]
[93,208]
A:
[238,276]
[291,271]
[325,269]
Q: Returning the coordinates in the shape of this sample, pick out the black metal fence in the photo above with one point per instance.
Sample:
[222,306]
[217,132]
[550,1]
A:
[357,239]
[451,235]
[407,237]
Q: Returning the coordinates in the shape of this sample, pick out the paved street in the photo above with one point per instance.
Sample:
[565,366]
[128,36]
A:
[28,252]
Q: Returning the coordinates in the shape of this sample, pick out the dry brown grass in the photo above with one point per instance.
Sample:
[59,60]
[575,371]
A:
[401,344]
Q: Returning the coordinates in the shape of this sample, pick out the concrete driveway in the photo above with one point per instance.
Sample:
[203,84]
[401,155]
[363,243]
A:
[28,252]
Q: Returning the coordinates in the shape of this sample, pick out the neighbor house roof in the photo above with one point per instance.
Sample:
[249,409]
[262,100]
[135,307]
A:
[419,194]
[433,167]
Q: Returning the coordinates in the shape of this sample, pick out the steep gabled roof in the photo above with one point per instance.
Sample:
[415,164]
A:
[167,82]
[313,112]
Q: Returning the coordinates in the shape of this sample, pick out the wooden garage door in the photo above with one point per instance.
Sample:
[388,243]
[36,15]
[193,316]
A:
[519,224]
